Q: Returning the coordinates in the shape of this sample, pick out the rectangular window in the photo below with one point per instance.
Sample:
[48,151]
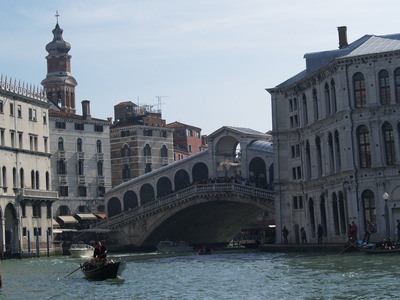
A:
[101,191]
[2,137]
[148,132]
[1,107]
[79,126]
[164,133]
[295,151]
[124,133]
[23,210]
[24,231]
[189,132]
[36,210]
[11,109]
[63,191]
[297,202]
[190,148]
[44,118]
[32,114]
[12,138]
[20,144]
[82,191]
[98,128]
[48,211]
[37,231]
[60,125]
[45,143]
[198,134]
[19,111]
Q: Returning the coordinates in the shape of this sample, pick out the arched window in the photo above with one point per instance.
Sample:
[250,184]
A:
[147,150]
[79,145]
[164,151]
[319,156]
[360,95]
[331,158]
[327,99]
[364,147]
[315,103]
[21,178]
[305,113]
[4,176]
[47,181]
[33,179]
[368,201]
[61,170]
[125,151]
[60,144]
[98,146]
[384,87]
[388,139]
[308,160]
[337,152]
[397,84]
[37,180]
[333,96]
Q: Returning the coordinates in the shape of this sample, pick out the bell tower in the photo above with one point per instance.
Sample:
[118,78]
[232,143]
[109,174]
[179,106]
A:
[59,84]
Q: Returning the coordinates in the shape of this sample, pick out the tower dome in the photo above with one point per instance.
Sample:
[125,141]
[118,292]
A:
[58,45]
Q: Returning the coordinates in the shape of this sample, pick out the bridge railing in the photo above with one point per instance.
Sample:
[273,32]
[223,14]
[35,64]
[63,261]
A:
[184,195]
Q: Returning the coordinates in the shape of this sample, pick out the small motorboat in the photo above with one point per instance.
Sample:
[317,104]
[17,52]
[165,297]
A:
[81,250]
[169,246]
[102,270]
[205,251]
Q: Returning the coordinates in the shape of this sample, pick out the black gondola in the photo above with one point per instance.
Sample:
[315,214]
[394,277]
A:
[378,248]
[102,271]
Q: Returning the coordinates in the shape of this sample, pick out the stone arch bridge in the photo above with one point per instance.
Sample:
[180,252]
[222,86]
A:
[203,199]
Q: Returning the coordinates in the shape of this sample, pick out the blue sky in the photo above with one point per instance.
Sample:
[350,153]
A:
[211,59]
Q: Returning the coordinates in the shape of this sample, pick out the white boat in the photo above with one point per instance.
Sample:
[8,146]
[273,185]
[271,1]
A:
[81,250]
[169,246]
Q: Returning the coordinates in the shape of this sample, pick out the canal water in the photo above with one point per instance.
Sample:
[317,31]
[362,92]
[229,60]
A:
[225,275]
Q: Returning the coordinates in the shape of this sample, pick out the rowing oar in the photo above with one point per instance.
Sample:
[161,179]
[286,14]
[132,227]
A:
[72,272]
[346,248]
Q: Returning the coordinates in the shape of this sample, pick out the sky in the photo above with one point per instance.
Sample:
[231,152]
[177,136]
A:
[205,63]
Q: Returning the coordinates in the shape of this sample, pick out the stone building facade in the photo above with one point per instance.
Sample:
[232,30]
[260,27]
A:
[26,196]
[139,140]
[79,144]
[336,132]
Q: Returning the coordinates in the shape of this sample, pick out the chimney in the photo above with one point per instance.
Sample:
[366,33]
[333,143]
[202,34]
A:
[86,109]
[342,37]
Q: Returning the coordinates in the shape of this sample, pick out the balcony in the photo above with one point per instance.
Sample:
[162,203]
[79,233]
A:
[80,155]
[100,180]
[61,154]
[165,161]
[81,179]
[41,194]
[62,179]
[100,156]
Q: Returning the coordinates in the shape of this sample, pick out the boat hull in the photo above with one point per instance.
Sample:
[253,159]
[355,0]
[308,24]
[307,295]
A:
[109,271]
[81,250]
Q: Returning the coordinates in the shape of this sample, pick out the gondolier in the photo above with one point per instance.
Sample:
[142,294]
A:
[100,252]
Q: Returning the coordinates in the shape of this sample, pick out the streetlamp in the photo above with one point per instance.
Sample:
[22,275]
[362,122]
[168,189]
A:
[385,197]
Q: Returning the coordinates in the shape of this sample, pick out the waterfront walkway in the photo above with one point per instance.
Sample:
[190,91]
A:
[339,248]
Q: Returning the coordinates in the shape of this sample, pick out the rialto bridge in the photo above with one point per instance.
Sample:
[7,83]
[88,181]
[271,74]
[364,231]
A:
[203,199]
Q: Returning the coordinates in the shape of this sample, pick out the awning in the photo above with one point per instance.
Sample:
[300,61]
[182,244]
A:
[86,216]
[67,219]
[101,216]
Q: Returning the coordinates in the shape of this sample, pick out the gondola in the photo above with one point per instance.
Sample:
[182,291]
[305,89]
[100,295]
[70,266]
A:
[378,248]
[102,271]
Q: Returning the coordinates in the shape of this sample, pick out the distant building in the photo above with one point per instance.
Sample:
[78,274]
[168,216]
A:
[187,140]
[140,141]
[336,141]
[26,197]
[79,144]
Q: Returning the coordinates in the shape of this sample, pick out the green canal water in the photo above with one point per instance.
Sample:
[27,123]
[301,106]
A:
[227,275]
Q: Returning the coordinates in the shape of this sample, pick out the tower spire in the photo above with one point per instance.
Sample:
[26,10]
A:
[57,15]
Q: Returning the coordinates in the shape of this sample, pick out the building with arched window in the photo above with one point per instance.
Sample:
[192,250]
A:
[336,154]
[140,141]
[79,144]
[26,198]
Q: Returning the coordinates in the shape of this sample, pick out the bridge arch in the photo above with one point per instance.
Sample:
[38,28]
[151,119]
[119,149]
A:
[113,207]
[258,172]
[200,173]
[164,186]
[130,200]
[146,193]
[182,180]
